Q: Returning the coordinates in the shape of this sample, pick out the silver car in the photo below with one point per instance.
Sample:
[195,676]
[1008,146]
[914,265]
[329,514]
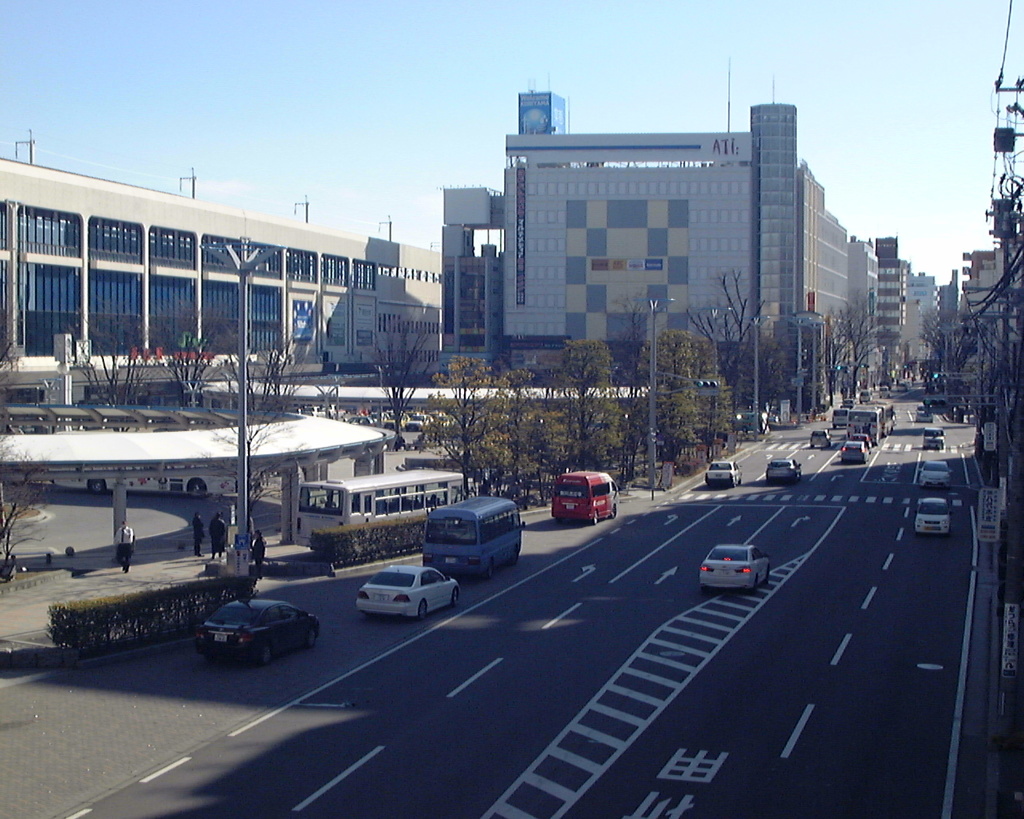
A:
[934,473]
[783,470]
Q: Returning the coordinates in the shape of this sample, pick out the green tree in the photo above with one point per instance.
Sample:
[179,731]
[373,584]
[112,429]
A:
[467,426]
[591,410]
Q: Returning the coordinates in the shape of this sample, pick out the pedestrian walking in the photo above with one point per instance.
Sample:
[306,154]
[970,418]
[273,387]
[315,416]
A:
[198,533]
[218,535]
[259,551]
[125,545]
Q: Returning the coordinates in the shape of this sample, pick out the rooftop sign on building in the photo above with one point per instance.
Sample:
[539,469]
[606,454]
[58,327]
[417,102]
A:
[541,113]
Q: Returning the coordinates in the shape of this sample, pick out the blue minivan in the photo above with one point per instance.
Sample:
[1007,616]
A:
[473,536]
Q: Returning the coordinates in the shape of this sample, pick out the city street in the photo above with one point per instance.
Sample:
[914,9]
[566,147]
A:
[593,679]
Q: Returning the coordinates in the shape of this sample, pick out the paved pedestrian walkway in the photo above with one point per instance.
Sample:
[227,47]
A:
[25,601]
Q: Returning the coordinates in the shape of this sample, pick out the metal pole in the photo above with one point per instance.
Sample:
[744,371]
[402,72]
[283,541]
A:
[799,372]
[652,447]
[757,377]
[243,399]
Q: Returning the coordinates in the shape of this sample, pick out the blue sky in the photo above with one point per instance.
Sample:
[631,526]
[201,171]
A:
[371,109]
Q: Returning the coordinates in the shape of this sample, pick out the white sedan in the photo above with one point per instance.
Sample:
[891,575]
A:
[934,473]
[411,591]
[732,565]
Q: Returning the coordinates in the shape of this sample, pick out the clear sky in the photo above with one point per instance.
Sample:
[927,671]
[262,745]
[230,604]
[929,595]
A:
[371,109]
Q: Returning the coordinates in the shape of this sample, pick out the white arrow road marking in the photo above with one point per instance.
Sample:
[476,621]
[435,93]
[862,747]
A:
[586,570]
[736,519]
[665,575]
[798,520]
[670,519]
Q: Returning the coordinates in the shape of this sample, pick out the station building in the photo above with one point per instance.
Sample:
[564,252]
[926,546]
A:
[124,270]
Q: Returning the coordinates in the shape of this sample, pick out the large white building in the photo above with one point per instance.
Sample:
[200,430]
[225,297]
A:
[122,268]
[594,226]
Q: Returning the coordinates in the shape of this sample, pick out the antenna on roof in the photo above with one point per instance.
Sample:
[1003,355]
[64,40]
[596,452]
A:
[728,100]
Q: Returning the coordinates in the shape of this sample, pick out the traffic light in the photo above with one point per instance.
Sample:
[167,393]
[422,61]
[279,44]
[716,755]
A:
[705,386]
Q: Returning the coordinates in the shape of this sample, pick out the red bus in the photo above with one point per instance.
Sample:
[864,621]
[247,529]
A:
[589,496]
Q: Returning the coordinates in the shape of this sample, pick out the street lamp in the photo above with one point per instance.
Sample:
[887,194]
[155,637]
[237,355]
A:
[806,318]
[652,386]
[756,321]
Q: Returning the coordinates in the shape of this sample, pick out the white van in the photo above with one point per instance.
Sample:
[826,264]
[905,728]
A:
[840,417]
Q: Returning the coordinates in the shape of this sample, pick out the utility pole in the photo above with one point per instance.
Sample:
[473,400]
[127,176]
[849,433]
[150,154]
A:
[305,205]
[31,148]
[388,223]
[191,179]
[1006,213]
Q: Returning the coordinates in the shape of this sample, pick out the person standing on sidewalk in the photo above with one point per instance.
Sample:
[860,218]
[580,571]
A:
[259,552]
[218,535]
[198,532]
[125,545]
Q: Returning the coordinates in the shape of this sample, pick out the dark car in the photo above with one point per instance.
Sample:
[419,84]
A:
[256,630]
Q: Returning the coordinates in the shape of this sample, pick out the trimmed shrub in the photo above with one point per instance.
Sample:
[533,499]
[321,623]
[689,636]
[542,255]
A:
[92,626]
[360,543]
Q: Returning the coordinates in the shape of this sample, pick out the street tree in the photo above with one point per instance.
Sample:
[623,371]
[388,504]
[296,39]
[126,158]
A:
[590,407]
[404,356]
[467,426]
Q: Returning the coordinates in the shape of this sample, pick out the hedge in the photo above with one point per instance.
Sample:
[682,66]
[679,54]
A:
[359,543]
[92,626]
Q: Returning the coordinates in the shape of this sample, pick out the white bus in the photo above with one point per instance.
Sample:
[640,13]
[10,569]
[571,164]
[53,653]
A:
[198,486]
[325,504]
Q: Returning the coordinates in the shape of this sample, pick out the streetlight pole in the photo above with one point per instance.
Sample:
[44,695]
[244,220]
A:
[245,260]
[652,394]
[757,376]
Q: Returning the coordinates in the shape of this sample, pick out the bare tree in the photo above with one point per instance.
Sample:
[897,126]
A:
[21,494]
[855,333]
[404,357]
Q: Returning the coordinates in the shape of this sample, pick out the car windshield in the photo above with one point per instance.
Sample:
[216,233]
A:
[401,579]
[936,507]
[728,553]
[234,614]
[779,465]
[721,465]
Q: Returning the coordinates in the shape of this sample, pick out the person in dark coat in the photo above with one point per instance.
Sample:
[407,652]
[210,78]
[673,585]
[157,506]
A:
[198,533]
[125,546]
[218,535]
[259,551]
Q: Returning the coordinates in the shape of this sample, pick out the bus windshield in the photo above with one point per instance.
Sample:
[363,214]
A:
[451,531]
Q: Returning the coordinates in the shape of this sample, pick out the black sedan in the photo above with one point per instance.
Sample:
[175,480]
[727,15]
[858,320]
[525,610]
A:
[256,630]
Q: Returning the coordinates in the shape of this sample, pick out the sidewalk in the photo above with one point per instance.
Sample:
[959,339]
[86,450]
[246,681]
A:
[25,602]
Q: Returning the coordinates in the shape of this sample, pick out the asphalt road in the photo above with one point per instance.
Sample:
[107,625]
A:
[593,679]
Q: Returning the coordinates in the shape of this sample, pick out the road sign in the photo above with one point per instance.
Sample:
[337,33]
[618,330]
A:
[988,514]
[988,433]
[1011,613]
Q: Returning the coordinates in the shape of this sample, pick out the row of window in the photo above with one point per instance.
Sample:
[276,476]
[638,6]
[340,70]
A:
[58,233]
[50,298]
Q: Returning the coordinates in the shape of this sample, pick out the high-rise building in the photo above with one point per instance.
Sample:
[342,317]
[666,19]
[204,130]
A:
[893,273]
[594,226]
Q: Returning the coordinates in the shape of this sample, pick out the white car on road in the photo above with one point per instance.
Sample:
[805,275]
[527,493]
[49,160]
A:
[411,591]
[734,565]
[723,472]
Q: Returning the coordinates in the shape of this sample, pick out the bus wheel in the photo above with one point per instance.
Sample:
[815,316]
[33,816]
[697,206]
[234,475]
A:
[196,488]
[96,485]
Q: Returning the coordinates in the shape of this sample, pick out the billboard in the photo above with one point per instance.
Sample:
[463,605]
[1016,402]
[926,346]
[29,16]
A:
[541,113]
[302,320]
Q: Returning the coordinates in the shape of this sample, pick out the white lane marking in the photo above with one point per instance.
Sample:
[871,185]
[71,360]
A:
[797,731]
[300,700]
[839,651]
[653,552]
[165,769]
[899,534]
[455,691]
[354,766]
[961,687]
[867,600]
[80,814]
[888,562]
[565,613]
[666,663]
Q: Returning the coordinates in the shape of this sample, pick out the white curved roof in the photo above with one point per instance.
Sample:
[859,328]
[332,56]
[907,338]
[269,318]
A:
[98,453]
